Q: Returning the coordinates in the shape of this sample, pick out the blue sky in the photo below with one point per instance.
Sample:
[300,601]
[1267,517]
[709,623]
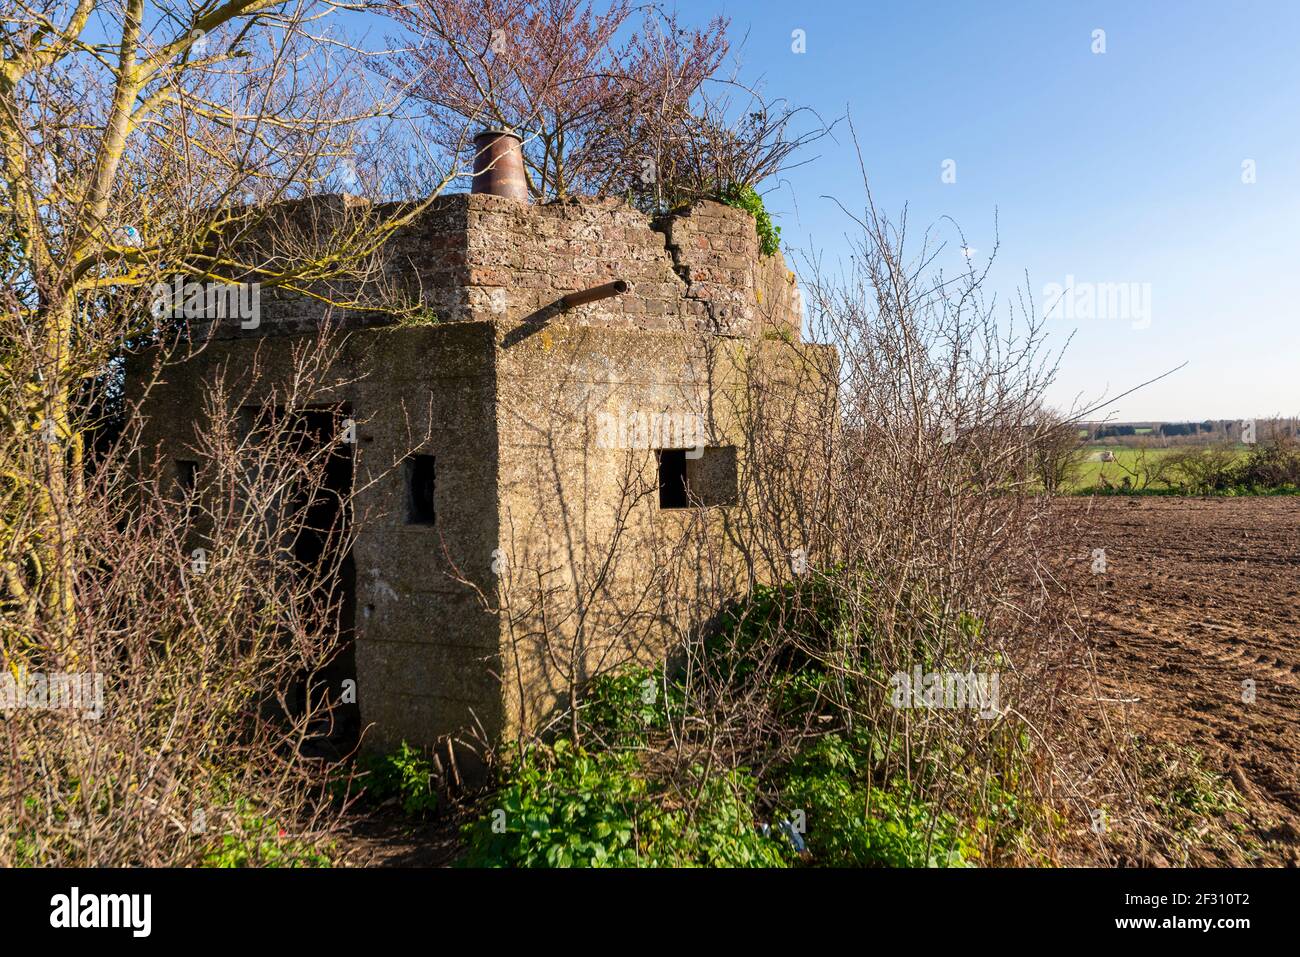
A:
[1122,167]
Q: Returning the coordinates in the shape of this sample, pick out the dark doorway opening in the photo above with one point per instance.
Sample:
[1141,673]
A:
[321,547]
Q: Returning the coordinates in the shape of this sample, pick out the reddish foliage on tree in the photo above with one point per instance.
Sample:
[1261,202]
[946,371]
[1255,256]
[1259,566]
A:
[570,80]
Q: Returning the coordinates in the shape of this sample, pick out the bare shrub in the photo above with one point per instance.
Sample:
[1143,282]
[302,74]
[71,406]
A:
[143,143]
[1149,468]
[1057,454]
[896,518]
[727,137]
[209,607]
[1203,469]
[1274,461]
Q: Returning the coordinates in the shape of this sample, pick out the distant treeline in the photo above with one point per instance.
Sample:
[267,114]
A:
[1213,429]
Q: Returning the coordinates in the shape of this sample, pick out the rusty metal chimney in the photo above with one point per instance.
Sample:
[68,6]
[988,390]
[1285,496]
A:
[499,164]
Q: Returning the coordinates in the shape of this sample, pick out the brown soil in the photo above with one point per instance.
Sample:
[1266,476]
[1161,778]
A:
[1199,599]
[387,838]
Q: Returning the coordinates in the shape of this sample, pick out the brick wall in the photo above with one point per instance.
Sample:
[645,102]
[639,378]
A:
[481,257]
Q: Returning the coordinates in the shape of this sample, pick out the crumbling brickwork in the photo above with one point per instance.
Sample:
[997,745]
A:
[486,257]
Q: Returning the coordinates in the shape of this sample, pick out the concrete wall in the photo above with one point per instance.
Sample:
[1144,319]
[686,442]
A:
[599,572]
[509,393]
[426,649]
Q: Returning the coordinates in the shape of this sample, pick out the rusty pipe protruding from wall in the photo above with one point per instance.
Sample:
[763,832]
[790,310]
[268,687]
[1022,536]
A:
[595,293]
[499,164]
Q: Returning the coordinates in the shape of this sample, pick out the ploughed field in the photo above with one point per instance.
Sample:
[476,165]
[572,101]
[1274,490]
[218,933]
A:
[1196,625]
